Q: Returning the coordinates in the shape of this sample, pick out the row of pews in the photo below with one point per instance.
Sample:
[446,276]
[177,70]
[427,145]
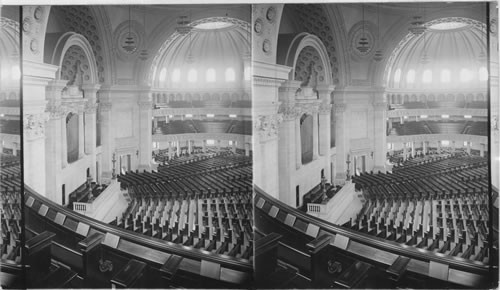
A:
[205,204]
[11,217]
[296,250]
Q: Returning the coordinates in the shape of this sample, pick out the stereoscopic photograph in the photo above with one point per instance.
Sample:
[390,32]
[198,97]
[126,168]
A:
[249,145]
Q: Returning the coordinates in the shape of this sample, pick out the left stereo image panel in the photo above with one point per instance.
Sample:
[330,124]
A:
[12,241]
[137,147]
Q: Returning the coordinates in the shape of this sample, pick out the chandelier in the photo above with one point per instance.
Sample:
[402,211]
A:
[143,54]
[130,46]
[417,26]
[363,44]
[379,55]
[183,27]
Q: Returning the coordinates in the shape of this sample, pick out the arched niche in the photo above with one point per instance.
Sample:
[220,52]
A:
[289,51]
[67,43]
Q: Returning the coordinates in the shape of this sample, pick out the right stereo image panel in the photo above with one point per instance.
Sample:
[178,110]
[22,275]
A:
[376,145]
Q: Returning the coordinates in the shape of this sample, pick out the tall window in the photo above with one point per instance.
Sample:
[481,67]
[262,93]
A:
[465,75]
[427,76]
[410,76]
[445,76]
[483,74]
[397,75]
[210,75]
[230,77]
[192,75]
[176,75]
[163,75]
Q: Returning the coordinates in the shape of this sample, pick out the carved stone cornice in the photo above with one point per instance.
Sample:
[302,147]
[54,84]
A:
[267,126]
[289,111]
[437,137]
[34,125]
[431,112]
[267,82]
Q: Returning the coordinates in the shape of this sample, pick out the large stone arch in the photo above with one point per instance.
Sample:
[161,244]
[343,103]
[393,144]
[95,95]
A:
[65,42]
[294,45]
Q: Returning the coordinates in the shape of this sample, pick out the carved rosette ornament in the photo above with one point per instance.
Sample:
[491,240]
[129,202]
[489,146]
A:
[289,111]
[34,125]
[267,126]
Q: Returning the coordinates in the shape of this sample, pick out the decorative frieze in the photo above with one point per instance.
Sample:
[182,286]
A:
[90,107]
[325,108]
[289,111]
[339,108]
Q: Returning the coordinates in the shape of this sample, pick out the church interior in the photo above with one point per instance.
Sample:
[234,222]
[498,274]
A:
[257,146]
[376,145]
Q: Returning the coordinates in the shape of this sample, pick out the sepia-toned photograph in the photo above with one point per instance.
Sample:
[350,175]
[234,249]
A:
[149,145]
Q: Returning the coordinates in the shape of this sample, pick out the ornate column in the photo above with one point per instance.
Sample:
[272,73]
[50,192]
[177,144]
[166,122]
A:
[90,93]
[341,138]
[287,134]
[189,147]
[412,149]
[380,132]
[145,137]
[267,78]
[36,76]
[315,134]
[298,144]
[81,137]
[324,120]
[55,138]
[178,144]
[107,134]
[405,152]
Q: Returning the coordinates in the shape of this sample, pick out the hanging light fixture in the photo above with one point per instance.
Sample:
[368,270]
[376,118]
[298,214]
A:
[417,25]
[130,45]
[183,27]
[425,58]
[379,55]
[363,46]
[190,58]
[144,54]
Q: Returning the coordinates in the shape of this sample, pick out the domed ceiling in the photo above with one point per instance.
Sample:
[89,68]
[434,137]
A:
[214,54]
[451,53]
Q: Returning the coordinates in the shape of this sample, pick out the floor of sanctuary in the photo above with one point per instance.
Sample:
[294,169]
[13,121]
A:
[346,204]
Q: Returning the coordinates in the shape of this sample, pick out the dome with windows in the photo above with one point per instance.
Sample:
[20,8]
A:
[450,54]
[212,54]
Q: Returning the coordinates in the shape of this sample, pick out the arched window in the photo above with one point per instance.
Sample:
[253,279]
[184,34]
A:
[397,75]
[247,73]
[306,138]
[445,76]
[427,76]
[410,76]
[210,75]
[192,75]
[465,75]
[163,75]
[483,74]
[176,75]
[230,77]
[72,137]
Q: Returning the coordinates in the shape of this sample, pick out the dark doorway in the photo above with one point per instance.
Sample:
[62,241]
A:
[63,189]
[297,198]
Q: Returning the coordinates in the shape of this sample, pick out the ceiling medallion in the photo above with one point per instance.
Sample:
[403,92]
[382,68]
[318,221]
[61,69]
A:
[378,56]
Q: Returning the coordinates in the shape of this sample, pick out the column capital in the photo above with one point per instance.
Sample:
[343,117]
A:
[289,111]
[290,86]
[105,106]
[339,108]
[325,109]
[380,106]
[90,107]
[55,109]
